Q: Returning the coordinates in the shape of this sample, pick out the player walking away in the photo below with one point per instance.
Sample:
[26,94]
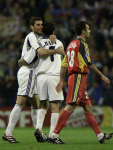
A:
[48,76]
[78,62]
[26,75]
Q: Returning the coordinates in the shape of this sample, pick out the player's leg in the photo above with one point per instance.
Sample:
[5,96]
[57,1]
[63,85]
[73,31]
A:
[40,136]
[34,104]
[70,101]
[93,124]
[65,113]
[41,114]
[13,119]
[34,109]
[55,99]
[25,90]
[54,107]
[62,119]
[84,100]
[43,95]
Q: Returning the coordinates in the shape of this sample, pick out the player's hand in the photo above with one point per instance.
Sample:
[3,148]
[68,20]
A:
[105,79]
[21,62]
[60,51]
[59,86]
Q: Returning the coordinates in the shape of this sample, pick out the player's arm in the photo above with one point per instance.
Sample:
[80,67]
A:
[32,54]
[62,47]
[45,52]
[62,75]
[22,62]
[97,71]
[91,65]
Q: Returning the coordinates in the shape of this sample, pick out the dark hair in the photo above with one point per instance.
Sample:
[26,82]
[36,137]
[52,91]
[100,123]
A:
[33,19]
[80,26]
[48,28]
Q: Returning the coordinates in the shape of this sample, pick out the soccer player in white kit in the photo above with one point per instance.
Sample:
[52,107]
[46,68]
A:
[26,75]
[48,76]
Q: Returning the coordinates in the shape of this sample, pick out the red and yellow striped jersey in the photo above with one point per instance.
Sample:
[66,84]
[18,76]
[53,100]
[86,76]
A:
[77,57]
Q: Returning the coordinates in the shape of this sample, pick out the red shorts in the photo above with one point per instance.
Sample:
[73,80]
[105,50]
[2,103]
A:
[77,92]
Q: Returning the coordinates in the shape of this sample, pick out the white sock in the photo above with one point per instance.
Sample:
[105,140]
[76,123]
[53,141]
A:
[54,135]
[40,118]
[100,136]
[34,116]
[54,118]
[13,119]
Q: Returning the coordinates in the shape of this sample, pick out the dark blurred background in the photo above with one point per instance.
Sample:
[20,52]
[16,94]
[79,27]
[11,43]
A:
[14,18]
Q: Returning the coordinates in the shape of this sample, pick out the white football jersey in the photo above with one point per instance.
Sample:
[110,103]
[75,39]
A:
[29,53]
[50,64]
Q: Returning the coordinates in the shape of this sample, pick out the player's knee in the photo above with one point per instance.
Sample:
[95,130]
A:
[21,100]
[88,109]
[54,106]
[21,105]
[70,107]
[43,104]
[35,101]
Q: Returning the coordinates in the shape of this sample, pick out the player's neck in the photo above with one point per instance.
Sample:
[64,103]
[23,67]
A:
[39,34]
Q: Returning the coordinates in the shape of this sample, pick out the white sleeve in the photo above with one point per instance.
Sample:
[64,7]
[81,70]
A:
[59,44]
[30,56]
[33,41]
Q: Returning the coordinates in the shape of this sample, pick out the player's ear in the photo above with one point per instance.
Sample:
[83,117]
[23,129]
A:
[31,27]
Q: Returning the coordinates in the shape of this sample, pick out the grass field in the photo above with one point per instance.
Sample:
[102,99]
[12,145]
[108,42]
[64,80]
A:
[75,139]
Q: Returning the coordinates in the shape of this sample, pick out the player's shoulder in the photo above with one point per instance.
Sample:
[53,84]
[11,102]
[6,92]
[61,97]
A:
[74,43]
[32,35]
[59,42]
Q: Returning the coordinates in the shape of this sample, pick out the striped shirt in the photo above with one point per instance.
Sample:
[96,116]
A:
[29,53]
[77,57]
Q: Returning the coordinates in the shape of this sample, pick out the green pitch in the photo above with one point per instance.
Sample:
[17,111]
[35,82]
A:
[75,139]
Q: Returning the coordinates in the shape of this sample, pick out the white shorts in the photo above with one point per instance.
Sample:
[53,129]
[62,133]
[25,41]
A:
[46,86]
[26,82]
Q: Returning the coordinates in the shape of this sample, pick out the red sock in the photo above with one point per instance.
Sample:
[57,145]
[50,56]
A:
[92,122]
[63,117]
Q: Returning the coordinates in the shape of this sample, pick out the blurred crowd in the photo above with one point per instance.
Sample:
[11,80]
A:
[14,18]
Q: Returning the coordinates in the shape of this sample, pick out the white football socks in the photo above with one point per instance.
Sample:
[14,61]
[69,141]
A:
[13,119]
[40,118]
[34,116]
[100,136]
[53,122]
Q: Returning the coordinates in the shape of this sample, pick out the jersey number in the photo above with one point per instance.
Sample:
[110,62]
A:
[52,56]
[71,58]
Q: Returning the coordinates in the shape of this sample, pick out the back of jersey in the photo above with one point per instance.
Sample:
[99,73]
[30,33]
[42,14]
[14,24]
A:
[51,64]
[78,57]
